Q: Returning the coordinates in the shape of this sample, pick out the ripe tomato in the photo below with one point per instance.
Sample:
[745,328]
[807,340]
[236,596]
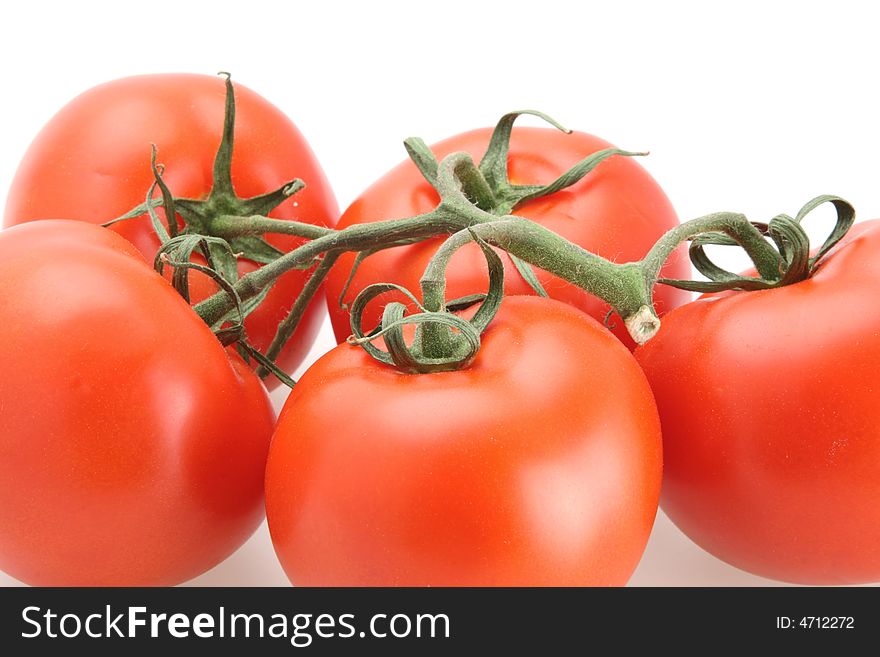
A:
[91,162]
[539,464]
[132,445]
[770,416]
[617,211]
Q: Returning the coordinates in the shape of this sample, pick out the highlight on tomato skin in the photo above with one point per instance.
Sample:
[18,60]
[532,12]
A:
[133,444]
[769,416]
[539,464]
[91,162]
[617,211]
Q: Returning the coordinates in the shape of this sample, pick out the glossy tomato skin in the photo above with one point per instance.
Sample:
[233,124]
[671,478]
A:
[770,421]
[91,162]
[540,464]
[617,211]
[132,444]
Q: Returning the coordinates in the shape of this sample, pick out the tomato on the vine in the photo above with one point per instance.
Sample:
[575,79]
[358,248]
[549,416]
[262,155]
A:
[617,211]
[132,444]
[91,162]
[770,420]
[538,464]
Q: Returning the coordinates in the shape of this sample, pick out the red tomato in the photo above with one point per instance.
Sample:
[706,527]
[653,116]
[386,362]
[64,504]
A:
[91,162]
[132,444]
[539,464]
[617,211]
[770,417]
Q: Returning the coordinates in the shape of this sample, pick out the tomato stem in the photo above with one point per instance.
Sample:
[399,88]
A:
[627,287]
[476,202]
[488,186]
[470,195]
[442,343]
[231,226]
[735,225]
[289,324]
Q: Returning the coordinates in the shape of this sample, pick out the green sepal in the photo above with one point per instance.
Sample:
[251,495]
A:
[197,214]
[487,185]
[265,203]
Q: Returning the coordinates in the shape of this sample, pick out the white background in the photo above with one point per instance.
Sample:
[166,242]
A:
[747,106]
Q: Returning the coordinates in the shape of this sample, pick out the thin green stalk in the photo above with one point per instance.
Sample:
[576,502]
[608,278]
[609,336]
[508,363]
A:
[232,226]
[289,324]
[737,226]
[440,221]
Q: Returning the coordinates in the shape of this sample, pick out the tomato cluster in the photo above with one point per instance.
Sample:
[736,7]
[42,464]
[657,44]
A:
[512,441]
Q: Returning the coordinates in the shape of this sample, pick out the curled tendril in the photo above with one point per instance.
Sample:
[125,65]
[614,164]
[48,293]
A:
[795,263]
[176,253]
[182,248]
[394,318]
[444,341]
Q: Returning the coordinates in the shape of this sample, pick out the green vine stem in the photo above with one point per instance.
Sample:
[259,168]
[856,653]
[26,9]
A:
[233,225]
[470,194]
[288,325]
[627,287]
[784,260]
[456,178]
[224,227]
[476,204]
[624,286]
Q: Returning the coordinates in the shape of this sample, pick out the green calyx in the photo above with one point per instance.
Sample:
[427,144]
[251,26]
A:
[472,194]
[222,228]
[487,186]
[443,340]
[783,260]
[222,213]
